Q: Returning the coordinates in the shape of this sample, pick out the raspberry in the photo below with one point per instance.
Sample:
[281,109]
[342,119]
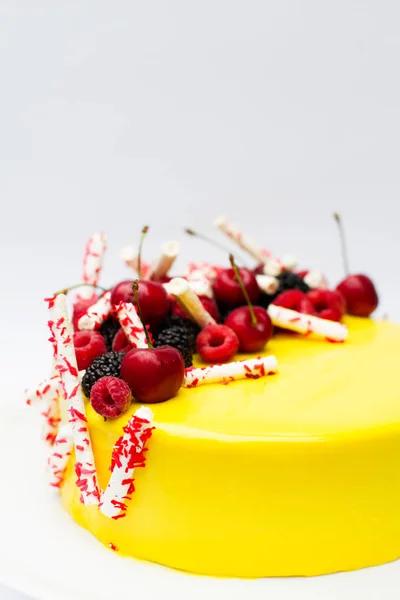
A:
[179,338]
[88,346]
[108,330]
[217,343]
[121,342]
[328,304]
[110,397]
[105,365]
[295,300]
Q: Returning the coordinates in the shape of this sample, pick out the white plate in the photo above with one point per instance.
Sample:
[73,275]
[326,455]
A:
[46,555]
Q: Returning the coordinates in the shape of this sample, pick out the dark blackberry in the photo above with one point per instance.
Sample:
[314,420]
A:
[290,281]
[108,364]
[108,330]
[181,339]
[175,321]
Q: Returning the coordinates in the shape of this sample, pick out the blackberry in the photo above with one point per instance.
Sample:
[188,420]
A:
[290,281]
[106,365]
[108,330]
[181,339]
[175,321]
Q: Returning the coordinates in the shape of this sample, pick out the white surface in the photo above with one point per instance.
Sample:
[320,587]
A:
[117,114]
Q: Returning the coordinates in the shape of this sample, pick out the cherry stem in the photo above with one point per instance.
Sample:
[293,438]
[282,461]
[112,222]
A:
[135,290]
[139,262]
[343,244]
[207,239]
[244,291]
[78,285]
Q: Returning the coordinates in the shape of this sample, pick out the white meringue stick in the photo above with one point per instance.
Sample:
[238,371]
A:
[96,314]
[269,285]
[93,262]
[131,324]
[316,279]
[169,253]
[60,455]
[307,324]
[241,240]
[252,368]
[45,391]
[190,302]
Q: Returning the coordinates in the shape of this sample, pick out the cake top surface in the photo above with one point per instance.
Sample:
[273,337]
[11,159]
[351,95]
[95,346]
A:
[322,389]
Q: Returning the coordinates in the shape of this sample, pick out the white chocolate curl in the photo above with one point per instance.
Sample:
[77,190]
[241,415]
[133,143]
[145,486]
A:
[269,285]
[120,485]
[190,302]
[241,240]
[169,253]
[241,369]
[60,455]
[131,324]
[130,258]
[62,340]
[96,314]
[93,262]
[316,280]
[306,324]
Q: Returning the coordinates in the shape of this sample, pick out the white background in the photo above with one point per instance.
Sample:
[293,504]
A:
[118,114]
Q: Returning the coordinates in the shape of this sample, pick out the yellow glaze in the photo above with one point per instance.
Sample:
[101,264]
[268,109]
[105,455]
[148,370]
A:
[292,474]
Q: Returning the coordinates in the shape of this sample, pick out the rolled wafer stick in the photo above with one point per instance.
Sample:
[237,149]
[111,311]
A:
[289,262]
[169,253]
[252,368]
[96,314]
[316,280]
[201,287]
[272,266]
[190,302]
[52,418]
[241,240]
[62,340]
[131,324]
[46,390]
[130,258]
[269,285]
[60,455]
[93,262]
[306,324]
[202,270]
[128,454]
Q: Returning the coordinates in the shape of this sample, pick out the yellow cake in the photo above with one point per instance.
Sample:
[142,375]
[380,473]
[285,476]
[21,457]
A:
[291,474]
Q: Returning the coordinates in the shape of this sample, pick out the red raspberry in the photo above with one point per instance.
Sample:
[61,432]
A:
[121,342]
[328,304]
[110,397]
[88,346]
[217,343]
[80,306]
[295,300]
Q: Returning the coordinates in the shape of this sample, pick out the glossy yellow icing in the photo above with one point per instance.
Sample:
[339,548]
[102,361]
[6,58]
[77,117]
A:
[292,474]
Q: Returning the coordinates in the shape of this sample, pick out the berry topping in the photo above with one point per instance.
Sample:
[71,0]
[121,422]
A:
[153,374]
[108,330]
[252,336]
[153,299]
[121,342]
[228,291]
[88,346]
[105,365]
[181,339]
[327,304]
[217,343]
[110,397]
[295,300]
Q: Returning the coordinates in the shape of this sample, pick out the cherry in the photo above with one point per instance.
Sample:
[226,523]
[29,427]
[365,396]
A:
[121,343]
[295,300]
[358,291]
[328,304]
[153,299]
[209,304]
[252,337]
[217,343]
[153,374]
[228,291]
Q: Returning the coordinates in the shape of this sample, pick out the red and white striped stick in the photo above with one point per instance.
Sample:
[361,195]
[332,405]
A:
[316,279]
[169,253]
[269,285]
[128,455]
[51,413]
[131,324]
[241,240]
[307,324]
[130,258]
[62,340]
[96,314]
[93,262]
[60,455]
[202,270]
[252,368]
[46,390]
[190,302]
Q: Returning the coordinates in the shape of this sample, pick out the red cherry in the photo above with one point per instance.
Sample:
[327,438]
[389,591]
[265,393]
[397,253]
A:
[217,343]
[328,304]
[252,337]
[120,342]
[153,374]
[360,295]
[295,300]
[209,304]
[153,299]
[228,291]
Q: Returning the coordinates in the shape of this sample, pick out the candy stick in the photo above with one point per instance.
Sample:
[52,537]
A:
[59,457]
[316,280]
[190,302]
[131,324]
[252,368]
[128,454]
[201,287]
[272,266]
[52,418]
[289,262]
[243,241]
[46,390]
[130,258]
[306,324]
[202,270]
[96,314]
[269,285]
[93,262]
[62,339]
[169,253]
